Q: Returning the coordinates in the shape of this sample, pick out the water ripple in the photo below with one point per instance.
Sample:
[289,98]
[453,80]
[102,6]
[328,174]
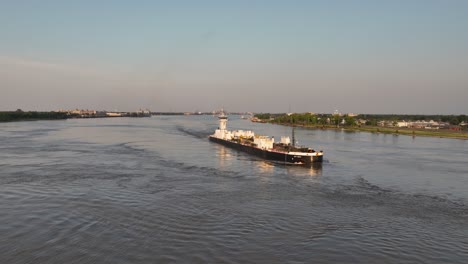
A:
[155,190]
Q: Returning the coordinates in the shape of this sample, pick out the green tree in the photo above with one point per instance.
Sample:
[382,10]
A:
[349,120]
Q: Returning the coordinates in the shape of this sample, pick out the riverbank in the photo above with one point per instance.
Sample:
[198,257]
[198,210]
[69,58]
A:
[12,116]
[441,133]
[16,116]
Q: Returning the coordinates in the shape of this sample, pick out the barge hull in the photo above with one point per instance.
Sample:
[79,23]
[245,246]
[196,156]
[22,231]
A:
[270,155]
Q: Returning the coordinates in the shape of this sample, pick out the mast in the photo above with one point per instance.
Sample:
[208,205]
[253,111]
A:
[293,134]
[293,137]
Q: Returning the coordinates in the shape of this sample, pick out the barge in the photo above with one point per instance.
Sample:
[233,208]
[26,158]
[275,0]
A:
[265,147]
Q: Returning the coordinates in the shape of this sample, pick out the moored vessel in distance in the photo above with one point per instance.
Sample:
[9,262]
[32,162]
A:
[264,146]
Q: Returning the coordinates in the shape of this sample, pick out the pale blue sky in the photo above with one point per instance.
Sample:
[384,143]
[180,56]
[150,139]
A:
[354,56]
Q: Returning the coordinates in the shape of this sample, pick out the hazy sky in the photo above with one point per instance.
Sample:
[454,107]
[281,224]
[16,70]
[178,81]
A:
[371,56]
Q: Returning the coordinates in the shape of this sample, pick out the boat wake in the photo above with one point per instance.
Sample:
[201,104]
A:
[193,133]
[364,194]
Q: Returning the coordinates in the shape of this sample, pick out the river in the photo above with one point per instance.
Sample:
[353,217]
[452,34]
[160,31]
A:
[155,190]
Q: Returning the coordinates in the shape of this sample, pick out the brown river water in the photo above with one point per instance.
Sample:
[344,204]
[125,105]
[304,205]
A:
[155,190]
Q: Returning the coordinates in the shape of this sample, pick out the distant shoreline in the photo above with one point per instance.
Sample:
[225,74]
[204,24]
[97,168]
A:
[440,133]
[15,116]
[19,115]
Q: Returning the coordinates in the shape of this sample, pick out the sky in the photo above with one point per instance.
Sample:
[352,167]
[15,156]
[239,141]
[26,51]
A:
[381,57]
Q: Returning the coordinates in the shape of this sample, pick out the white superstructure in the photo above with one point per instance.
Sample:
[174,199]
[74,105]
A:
[223,133]
[285,140]
[264,142]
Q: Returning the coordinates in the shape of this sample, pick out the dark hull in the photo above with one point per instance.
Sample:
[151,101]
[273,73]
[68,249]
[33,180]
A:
[270,155]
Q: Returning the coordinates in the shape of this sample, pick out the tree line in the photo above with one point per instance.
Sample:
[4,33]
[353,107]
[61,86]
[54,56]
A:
[346,120]
[451,119]
[18,115]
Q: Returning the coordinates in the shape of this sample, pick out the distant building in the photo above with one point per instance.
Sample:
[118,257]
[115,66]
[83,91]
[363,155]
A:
[428,124]
[79,112]
[402,124]
[113,114]
[361,121]
[384,123]
[336,112]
